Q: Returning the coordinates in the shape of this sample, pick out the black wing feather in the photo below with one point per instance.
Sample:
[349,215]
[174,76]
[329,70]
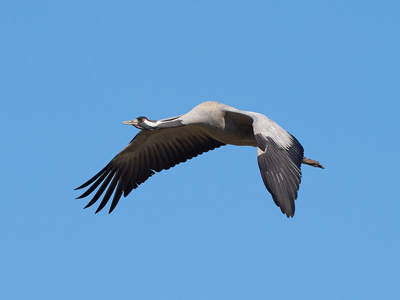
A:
[280,171]
[149,152]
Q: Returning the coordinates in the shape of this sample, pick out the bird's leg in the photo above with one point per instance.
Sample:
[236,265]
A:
[310,162]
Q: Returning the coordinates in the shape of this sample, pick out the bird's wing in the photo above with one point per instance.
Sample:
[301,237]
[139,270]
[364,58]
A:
[150,151]
[279,157]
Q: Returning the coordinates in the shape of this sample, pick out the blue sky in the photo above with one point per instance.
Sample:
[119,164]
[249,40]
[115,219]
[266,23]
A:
[72,71]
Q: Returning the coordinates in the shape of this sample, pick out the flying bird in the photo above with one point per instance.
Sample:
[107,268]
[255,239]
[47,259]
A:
[165,143]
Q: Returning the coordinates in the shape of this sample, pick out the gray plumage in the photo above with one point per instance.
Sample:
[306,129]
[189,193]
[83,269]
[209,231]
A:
[162,144]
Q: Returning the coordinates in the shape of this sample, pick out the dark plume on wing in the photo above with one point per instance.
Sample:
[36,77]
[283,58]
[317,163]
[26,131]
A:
[280,171]
[149,152]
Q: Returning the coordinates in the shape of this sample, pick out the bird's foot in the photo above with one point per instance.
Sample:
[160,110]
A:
[310,162]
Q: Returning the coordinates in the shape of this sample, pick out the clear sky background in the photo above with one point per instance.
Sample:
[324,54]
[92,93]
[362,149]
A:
[72,71]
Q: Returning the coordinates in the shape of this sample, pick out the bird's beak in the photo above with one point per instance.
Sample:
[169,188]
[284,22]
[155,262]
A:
[131,122]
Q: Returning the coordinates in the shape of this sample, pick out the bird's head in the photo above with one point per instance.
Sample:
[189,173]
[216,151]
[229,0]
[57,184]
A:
[141,123]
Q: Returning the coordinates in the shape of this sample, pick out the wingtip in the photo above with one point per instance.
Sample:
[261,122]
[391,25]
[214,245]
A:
[88,205]
[290,214]
[80,187]
[112,207]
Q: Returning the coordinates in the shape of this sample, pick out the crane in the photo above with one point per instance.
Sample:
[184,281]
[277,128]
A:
[162,144]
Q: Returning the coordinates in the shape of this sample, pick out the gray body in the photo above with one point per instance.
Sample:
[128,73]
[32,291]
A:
[164,143]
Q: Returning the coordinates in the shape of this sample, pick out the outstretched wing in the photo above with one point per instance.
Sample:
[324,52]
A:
[279,157]
[150,151]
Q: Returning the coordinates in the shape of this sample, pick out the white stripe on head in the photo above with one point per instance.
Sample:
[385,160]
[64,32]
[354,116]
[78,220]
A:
[151,123]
